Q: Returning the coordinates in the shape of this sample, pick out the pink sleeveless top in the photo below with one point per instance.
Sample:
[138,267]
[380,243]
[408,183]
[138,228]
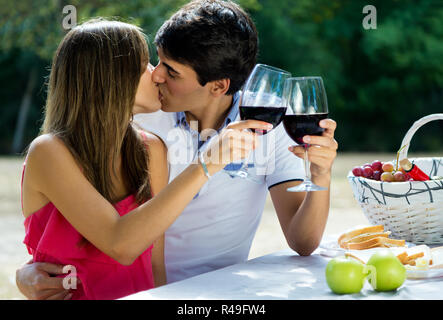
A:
[51,238]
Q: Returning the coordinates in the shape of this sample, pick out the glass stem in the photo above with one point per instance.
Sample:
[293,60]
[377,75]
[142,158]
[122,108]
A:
[245,163]
[307,165]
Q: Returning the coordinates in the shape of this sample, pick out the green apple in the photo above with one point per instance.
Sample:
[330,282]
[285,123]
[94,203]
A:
[344,275]
[390,272]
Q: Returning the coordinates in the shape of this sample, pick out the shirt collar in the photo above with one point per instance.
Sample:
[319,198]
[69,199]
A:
[232,115]
[181,119]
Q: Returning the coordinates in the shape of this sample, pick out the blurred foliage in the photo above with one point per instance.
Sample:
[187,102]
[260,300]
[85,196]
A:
[379,81]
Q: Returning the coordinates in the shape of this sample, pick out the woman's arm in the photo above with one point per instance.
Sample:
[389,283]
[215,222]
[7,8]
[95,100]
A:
[52,170]
[37,280]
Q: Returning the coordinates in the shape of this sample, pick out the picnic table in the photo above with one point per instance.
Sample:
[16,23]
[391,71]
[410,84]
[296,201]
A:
[282,275]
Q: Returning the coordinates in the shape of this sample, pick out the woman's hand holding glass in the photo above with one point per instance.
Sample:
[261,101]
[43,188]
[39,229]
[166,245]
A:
[232,144]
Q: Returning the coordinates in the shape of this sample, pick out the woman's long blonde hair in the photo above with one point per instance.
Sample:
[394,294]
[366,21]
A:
[91,93]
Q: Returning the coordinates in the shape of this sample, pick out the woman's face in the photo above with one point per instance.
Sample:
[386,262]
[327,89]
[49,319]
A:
[147,98]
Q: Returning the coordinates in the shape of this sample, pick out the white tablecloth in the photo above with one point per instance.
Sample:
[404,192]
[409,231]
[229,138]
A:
[280,275]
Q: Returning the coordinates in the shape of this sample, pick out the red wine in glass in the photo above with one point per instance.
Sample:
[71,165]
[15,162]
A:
[272,115]
[261,99]
[306,96]
[299,125]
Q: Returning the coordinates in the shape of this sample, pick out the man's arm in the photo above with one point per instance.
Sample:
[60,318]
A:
[158,262]
[303,215]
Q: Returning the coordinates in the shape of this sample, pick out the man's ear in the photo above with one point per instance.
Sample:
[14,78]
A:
[220,87]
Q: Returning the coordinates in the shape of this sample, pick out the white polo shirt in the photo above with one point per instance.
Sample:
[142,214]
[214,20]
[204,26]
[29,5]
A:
[217,228]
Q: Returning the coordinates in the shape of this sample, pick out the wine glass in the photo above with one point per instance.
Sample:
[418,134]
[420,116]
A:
[306,96]
[262,99]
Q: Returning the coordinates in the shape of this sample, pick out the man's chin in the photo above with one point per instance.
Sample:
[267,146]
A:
[164,109]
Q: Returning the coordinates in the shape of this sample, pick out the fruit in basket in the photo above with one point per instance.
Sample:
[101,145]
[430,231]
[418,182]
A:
[345,275]
[368,172]
[387,177]
[377,165]
[399,176]
[377,175]
[357,171]
[381,171]
[388,167]
[390,272]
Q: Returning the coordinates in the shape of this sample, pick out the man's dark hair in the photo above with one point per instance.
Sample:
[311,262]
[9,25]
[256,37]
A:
[216,38]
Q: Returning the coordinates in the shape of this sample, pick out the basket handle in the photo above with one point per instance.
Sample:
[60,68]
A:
[403,154]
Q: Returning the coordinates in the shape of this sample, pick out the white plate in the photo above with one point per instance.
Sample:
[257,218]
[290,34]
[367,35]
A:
[424,274]
[331,249]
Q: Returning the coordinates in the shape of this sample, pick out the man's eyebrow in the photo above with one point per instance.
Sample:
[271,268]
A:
[170,68]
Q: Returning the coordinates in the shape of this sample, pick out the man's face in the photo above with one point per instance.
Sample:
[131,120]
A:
[178,86]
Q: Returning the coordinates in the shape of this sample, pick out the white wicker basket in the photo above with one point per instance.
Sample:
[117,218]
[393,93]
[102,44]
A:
[411,210]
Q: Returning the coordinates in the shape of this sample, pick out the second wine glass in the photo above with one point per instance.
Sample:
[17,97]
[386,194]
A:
[306,96]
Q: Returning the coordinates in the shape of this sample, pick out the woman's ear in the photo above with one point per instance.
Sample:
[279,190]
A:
[220,87]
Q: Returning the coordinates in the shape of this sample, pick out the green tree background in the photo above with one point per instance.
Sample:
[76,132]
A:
[379,81]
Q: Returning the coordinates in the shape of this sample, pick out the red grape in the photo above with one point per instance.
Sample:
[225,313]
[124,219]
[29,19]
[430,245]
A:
[377,175]
[357,171]
[376,165]
[368,172]
[399,176]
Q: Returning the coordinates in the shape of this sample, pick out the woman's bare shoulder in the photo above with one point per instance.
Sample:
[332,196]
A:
[46,144]
[154,139]
[156,146]
[49,152]
[47,157]
[158,162]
